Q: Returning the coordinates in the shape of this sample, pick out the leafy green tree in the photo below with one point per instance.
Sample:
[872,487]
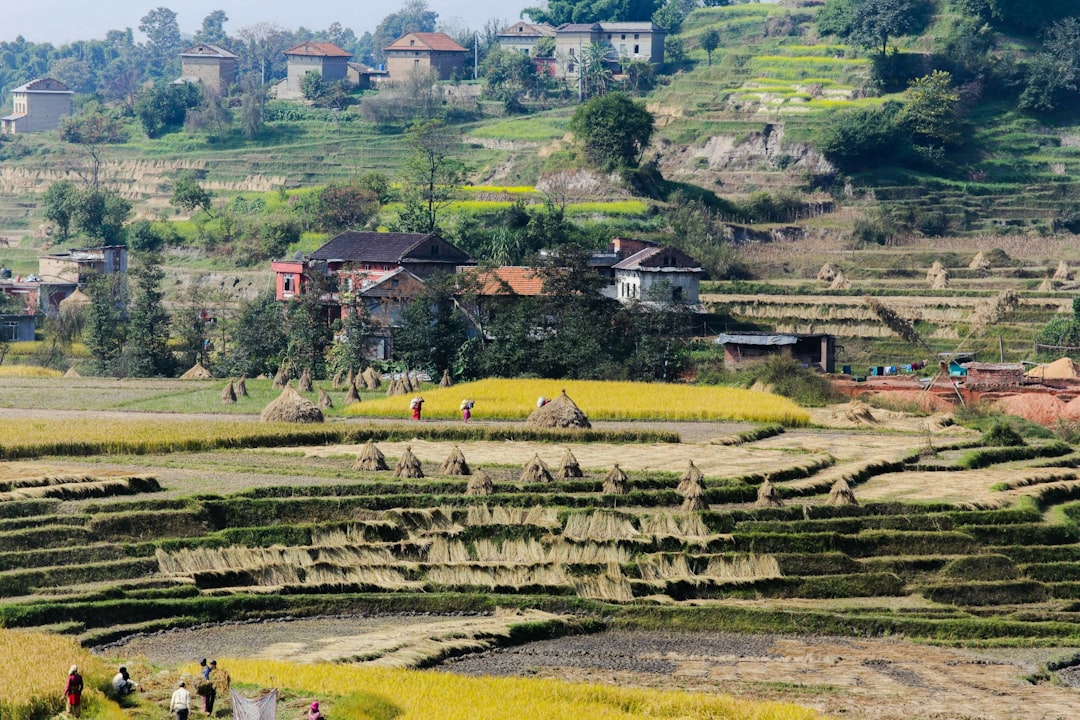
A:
[345,206]
[190,325]
[1053,75]
[252,108]
[94,127]
[432,329]
[873,22]
[307,331]
[149,323]
[1031,17]
[259,337]
[659,330]
[164,107]
[164,42]
[189,195]
[558,12]
[710,40]
[414,16]
[544,48]
[595,69]
[859,138]
[312,85]
[932,110]
[836,17]
[105,329]
[509,76]
[60,202]
[101,214]
[613,130]
[672,13]
[350,350]
[213,29]
[674,52]
[431,175]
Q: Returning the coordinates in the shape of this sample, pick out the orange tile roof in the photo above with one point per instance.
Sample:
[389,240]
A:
[321,49]
[428,41]
[510,280]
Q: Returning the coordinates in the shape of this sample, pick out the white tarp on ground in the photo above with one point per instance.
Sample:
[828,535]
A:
[263,708]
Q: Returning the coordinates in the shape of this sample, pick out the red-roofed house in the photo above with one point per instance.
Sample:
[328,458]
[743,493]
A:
[325,58]
[421,50]
[505,281]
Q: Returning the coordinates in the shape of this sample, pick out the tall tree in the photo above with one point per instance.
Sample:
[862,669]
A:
[433,328]
[415,16]
[875,21]
[350,351]
[558,12]
[932,110]
[60,202]
[259,338]
[431,174]
[261,47]
[189,195]
[149,323]
[93,128]
[252,107]
[308,333]
[1053,76]
[710,40]
[163,38]
[213,29]
[101,213]
[613,130]
[105,331]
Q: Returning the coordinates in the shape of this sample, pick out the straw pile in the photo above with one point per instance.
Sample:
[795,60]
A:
[241,387]
[616,482]
[694,496]
[1047,285]
[337,382]
[859,412]
[228,394]
[768,495]
[480,484]
[561,412]
[980,262]
[370,458]
[535,471]
[324,400]
[895,322]
[455,464]
[993,311]
[840,282]
[569,467]
[197,372]
[352,396]
[290,406]
[372,381]
[841,493]
[935,270]
[408,465]
[446,381]
[350,378]
[827,273]
[399,386]
[72,373]
[304,384]
[692,475]
[940,282]
[281,378]
[1063,272]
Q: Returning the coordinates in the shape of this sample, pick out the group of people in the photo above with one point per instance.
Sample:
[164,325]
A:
[73,691]
[417,407]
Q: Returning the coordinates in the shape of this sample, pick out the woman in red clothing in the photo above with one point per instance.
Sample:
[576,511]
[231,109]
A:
[417,405]
[73,692]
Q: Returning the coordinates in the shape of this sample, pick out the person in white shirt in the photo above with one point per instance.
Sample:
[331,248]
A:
[181,702]
[122,682]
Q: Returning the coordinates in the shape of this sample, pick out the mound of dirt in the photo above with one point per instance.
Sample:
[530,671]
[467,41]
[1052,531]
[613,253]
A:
[1039,408]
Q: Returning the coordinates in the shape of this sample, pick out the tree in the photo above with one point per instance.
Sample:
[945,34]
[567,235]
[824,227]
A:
[672,14]
[509,76]
[859,138]
[149,323]
[710,40]
[261,45]
[595,69]
[432,329]
[60,202]
[164,107]
[613,130]
[213,29]
[345,206]
[415,16]
[104,327]
[932,110]
[259,337]
[873,22]
[350,350]
[307,332]
[252,108]
[163,35]
[312,85]
[189,195]
[1053,76]
[92,128]
[558,12]
[659,330]
[101,214]
[431,175]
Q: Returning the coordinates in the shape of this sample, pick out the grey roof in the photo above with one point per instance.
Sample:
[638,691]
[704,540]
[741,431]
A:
[207,50]
[579,27]
[725,339]
[656,259]
[631,27]
[44,85]
[351,246]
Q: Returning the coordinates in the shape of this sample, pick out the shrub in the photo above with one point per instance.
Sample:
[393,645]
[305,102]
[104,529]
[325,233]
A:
[785,376]
[1002,434]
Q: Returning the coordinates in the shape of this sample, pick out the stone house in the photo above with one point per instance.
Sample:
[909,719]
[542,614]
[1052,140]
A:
[637,271]
[522,36]
[37,106]
[212,66]
[325,58]
[622,41]
[419,50]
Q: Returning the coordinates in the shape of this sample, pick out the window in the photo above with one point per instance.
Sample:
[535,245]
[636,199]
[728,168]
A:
[621,38]
[570,67]
[288,284]
[9,331]
[636,51]
[635,36]
[571,52]
[434,250]
[622,48]
[676,294]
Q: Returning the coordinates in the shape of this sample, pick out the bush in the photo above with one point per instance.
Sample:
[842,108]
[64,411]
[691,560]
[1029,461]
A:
[790,379]
[1002,434]
[859,139]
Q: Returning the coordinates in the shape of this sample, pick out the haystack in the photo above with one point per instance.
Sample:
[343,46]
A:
[408,465]
[840,282]
[940,282]
[350,379]
[446,381]
[455,464]
[1063,272]
[398,386]
[1047,285]
[338,380]
[841,493]
[197,372]
[74,303]
[569,468]
[72,373]
[559,413]
[241,387]
[292,407]
[228,394]
[480,484]
[370,458]
[768,495]
[535,471]
[281,378]
[827,273]
[691,475]
[694,497]
[324,400]
[304,384]
[371,378]
[616,482]
[352,396]
[980,262]
[859,412]
[936,269]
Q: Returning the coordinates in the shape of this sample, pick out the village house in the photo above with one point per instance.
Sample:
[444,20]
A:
[816,350]
[209,65]
[421,50]
[364,76]
[324,58]
[621,40]
[37,106]
[522,36]
[639,271]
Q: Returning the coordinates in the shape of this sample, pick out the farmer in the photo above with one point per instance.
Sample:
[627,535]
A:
[122,682]
[313,713]
[216,678]
[180,703]
[541,401]
[416,406]
[466,409]
[73,691]
[206,687]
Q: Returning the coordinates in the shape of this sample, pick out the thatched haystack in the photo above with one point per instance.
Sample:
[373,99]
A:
[399,386]
[980,262]
[372,381]
[455,464]
[281,378]
[561,412]
[1063,272]
[408,465]
[350,378]
[292,407]
[324,400]
[827,273]
[370,458]
[241,387]
[936,269]
[768,495]
[197,372]
[840,282]
[352,396]
[941,282]
[74,303]
[859,412]
[480,484]
[72,373]
[446,381]
[1047,285]
[569,468]
[694,496]
[616,482]
[228,394]
[692,475]
[535,471]
[841,494]
[304,384]
[338,381]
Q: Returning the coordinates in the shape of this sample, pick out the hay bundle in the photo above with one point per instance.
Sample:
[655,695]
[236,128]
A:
[841,494]
[292,407]
[281,378]
[768,495]
[616,482]
[455,464]
[446,381]
[371,378]
[337,381]
[569,468]
[370,458]
[408,465]
[241,387]
[694,496]
[827,273]
[352,396]
[936,269]
[324,400]
[197,372]
[1063,272]
[895,322]
[690,476]
[840,282]
[994,311]
[535,471]
[480,484]
[72,373]
[559,413]
[305,384]
[941,282]
[1047,285]
[859,412]
[350,378]
[228,394]
[398,386]
[980,262]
